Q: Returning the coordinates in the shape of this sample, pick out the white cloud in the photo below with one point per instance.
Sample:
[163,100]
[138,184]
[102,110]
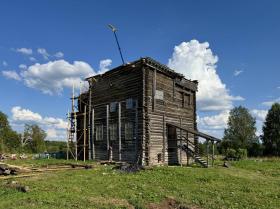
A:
[197,62]
[104,66]
[11,74]
[22,66]
[271,102]
[237,72]
[25,51]
[4,63]
[54,127]
[32,59]
[259,114]
[218,121]
[19,114]
[56,122]
[44,53]
[58,54]
[52,77]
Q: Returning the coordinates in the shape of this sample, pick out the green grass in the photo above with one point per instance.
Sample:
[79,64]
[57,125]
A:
[246,184]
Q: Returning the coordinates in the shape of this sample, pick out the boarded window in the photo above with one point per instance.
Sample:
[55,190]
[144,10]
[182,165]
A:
[113,106]
[113,131]
[159,95]
[99,132]
[129,103]
[128,131]
[186,100]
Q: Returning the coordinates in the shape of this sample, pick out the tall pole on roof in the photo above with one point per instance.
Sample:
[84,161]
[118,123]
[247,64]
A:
[115,34]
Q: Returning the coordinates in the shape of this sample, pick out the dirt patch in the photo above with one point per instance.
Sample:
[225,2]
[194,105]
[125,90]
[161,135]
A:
[170,203]
[111,201]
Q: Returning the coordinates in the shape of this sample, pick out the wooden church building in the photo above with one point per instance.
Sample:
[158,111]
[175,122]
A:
[141,112]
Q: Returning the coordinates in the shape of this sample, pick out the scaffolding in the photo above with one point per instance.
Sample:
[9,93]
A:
[71,130]
[77,143]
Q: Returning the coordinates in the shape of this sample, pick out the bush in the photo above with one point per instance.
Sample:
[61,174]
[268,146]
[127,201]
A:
[230,153]
[239,154]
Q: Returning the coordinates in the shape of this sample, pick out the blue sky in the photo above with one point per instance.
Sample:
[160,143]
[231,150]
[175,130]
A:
[244,35]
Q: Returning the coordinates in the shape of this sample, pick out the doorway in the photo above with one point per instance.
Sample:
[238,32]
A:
[172,146]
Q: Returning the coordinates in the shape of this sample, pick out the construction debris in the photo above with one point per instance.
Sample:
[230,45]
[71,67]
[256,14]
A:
[17,186]
[11,171]
[6,170]
[226,164]
[129,168]
[81,166]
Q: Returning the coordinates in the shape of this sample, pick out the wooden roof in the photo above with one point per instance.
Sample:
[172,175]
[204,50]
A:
[179,78]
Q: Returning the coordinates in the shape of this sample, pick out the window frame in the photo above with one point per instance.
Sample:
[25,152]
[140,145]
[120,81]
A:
[98,135]
[113,131]
[129,131]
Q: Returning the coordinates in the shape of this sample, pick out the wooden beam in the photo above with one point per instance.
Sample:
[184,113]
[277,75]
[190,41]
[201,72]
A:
[164,138]
[197,133]
[89,127]
[188,157]
[92,134]
[181,138]
[107,131]
[207,151]
[85,131]
[154,89]
[213,152]
[120,131]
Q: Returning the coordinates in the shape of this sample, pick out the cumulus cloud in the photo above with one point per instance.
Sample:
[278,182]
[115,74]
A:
[104,66]
[237,72]
[218,121]
[44,53]
[196,61]
[54,127]
[259,114]
[22,66]
[25,51]
[52,77]
[4,63]
[32,59]
[58,54]
[11,74]
[19,114]
[271,102]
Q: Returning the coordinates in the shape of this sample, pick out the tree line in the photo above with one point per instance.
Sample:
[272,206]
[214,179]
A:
[240,134]
[32,140]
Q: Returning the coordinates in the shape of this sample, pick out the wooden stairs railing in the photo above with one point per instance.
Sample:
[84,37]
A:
[189,148]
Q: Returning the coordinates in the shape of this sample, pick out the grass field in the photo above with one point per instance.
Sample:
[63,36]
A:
[251,184]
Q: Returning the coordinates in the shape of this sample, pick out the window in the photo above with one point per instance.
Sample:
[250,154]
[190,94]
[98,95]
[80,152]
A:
[129,103]
[113,131]
[186,100]
[128,131]
[159,95]
[113,106]
[99,132]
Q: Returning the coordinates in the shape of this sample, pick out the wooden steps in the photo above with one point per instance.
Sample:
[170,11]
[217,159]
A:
[196,157]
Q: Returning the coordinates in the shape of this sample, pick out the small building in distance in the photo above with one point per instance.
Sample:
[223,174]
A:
[141,112]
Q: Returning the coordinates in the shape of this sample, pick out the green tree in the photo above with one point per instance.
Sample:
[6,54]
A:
[34,138]
[9,139]
[240,131]
[271,131]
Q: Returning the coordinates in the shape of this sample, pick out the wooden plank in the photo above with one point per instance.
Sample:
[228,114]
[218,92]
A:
[85,131]
[107,130]
[93,134]
[120,131]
